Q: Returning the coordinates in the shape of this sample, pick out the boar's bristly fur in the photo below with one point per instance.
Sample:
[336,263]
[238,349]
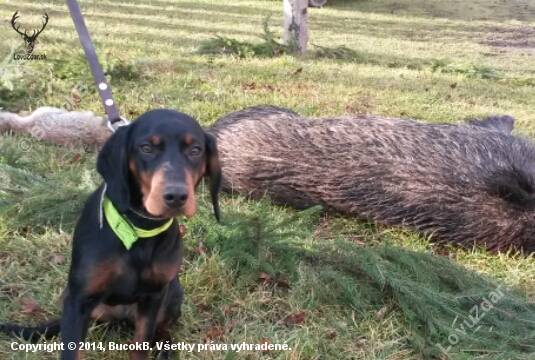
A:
[466,184]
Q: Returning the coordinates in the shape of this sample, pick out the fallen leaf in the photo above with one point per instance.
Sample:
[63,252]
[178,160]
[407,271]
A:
[201,249]
[263,277]
[381,313]
[331,334]
[30,307]
[212,333]
[283,284]
[57,259]
[182,230]
[233,323]
[443,252]
[295,319]
[254,86]
[249,86]
[75,158]
[203,307]
[264,341]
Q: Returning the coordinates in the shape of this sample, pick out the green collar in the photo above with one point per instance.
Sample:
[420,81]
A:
[124,229]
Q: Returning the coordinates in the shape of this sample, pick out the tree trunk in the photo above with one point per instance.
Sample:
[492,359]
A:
[295,22]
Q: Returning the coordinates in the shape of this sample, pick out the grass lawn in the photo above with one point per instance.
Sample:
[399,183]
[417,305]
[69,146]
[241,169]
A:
[440,61]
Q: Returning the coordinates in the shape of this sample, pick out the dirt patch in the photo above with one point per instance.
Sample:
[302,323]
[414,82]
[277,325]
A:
[514,38]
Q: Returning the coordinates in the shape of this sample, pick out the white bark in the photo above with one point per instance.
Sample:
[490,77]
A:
[295,22]
[288,17]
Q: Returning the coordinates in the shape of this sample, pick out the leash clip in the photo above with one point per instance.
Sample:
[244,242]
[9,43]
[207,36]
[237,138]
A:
[122,121]
[98,75]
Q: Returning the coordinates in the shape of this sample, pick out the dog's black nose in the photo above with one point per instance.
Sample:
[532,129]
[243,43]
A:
[175,196]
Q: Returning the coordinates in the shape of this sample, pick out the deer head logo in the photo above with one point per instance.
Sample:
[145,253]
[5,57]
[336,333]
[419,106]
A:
[28,39]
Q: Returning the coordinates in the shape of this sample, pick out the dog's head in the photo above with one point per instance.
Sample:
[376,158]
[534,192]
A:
[156,163]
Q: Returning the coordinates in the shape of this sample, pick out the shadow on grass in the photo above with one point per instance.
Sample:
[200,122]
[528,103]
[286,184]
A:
[434,294]
[270,48]
[397,27]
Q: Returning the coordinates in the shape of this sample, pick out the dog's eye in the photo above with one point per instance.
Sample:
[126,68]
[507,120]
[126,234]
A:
[196,151]
[146,148]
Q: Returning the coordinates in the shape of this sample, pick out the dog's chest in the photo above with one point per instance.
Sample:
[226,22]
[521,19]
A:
[158,274]
[146,271]
[156,267]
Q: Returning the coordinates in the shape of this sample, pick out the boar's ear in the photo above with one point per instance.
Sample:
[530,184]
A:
[504,123]
[213,171]
[112,166]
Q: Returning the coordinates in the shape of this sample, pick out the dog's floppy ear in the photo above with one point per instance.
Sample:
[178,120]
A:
[112,166]
[213,170]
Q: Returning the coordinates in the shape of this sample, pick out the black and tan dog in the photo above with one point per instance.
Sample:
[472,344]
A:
[127,247]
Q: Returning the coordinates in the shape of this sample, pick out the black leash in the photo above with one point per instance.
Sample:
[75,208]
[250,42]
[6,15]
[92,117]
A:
[98,75]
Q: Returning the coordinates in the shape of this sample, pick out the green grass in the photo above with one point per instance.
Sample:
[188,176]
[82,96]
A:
[427,59]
